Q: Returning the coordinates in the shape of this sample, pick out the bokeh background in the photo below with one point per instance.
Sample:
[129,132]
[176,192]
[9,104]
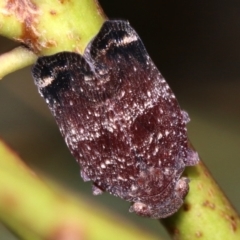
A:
[195,44]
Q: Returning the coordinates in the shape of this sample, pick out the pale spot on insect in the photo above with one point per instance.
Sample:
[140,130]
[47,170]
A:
[88,147]
[134,187]
[103,165]
[122,94]
[73,131]
[159,136]
[126,40]
[121,178]
[167,133]
[46,81]
[156,149]
[110,129]
[108,162]
[150,139]
[87,78]
[132,177]
[167,171]
[121,159]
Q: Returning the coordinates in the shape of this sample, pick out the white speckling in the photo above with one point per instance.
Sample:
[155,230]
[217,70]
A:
[166,133]
[129,163]
[45,82]
[81,130]
[155,151]
[128,39]
[121,178]
[110,129]
[126,106]
[159,136]
[87,78]
[149,94]
[122,94]
[159,163]
[97,135]
[134,187]
[135,69]
[70,103]
[88,147]
[121,159]
[108,162]
[74,139]
[146,104]
[103,165]
[167,171]
[102,72]
[73,131]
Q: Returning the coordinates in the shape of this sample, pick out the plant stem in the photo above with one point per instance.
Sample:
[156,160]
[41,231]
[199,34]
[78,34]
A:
[13,60]
[47,27]
[206,213]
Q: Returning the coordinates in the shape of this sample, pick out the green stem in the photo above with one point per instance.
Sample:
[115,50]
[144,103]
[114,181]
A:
[13,60]
[47,27]
[206,213]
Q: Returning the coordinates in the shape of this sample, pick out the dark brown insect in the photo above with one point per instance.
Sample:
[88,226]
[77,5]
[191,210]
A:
[120,120]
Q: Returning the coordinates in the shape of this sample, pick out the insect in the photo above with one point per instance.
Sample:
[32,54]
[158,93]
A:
[120,120]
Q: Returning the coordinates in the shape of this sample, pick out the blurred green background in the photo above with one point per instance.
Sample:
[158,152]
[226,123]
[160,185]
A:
[195,45]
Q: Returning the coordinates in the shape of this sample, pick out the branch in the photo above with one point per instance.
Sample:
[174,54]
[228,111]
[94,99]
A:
[206,213]
[16,59]
[47,27]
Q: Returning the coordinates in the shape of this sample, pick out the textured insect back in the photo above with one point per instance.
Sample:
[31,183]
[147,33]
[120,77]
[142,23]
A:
[120,120]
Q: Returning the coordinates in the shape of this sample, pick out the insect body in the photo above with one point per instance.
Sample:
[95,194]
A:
[120,120]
